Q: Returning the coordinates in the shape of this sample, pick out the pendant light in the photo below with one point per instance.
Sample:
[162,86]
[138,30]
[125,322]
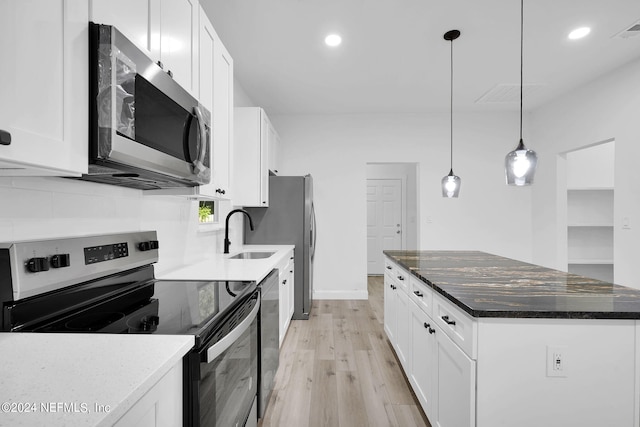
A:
[520,164]
[451,183]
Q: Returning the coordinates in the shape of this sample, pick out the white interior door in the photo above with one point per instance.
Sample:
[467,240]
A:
[384,220]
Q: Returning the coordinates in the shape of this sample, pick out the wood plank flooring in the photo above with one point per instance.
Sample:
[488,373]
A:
[338,369]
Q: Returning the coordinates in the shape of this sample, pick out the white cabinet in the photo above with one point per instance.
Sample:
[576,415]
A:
[397,317]
[215,92]
[161,406]
[285,280]
[455,384]
[435,343]
[138,20]
[274,150]
[179,41]
[423,354]
[166,30]
[44,87]
[251,157]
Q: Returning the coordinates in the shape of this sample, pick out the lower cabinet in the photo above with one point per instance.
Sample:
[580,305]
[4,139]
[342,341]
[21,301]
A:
[441,373]
[161,406]
[285,278]
[455,384]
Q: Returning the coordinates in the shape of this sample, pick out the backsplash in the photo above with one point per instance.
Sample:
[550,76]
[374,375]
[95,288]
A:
[40,208]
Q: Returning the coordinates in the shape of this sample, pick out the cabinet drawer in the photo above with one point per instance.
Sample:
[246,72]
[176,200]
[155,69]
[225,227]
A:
[459,326]
[402,279]
[399,275]
[421,294]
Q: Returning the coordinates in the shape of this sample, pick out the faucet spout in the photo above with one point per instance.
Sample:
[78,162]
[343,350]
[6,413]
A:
[227,243]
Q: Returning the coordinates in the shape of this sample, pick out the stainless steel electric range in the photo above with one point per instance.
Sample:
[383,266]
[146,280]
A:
[106,284]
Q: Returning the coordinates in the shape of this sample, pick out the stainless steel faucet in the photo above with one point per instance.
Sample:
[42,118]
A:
[227,243]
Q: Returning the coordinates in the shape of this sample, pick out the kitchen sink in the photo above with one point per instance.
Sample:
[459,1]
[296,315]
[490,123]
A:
[252,255]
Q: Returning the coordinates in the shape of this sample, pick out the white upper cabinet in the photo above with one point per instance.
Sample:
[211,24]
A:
[251,157]
[138,20]
[215,92]
[44,87]
[179,41]
[166,30]
[274,150]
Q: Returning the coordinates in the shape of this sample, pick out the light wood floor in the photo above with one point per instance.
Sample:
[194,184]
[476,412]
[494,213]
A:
[338,369]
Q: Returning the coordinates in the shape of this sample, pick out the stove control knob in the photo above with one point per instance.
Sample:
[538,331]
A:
[60,260]
[36,265]
[147,246]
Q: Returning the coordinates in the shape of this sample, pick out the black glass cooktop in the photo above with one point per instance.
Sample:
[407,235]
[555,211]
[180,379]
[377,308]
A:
[156,306]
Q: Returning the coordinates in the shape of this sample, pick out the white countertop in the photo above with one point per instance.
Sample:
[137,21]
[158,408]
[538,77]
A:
[90,369]
[220,267]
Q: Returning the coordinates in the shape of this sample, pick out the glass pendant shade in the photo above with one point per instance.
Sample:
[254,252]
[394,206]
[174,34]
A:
[520,166]
[451,185]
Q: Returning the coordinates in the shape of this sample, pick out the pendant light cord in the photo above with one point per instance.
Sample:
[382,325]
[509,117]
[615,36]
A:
[521,60]
[451,106]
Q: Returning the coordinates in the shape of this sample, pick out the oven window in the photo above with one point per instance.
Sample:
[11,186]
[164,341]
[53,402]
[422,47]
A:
[228,385]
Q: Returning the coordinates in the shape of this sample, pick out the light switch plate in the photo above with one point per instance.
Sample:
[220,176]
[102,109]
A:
[557,361]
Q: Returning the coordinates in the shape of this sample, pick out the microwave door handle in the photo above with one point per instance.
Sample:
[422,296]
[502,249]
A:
[218,348]
[198,165]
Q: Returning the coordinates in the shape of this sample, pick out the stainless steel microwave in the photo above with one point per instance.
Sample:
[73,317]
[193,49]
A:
[145,130]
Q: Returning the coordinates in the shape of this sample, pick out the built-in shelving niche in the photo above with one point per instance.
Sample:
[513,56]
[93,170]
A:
[590,219]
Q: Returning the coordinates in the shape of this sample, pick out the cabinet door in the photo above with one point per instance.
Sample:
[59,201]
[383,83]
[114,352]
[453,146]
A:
[178,41]
[274,147]
[390,309]
[284,302]
[138,20]
[265,133]
[403,332]
[291,287]
[215,89]
[423,364]
[222,119]
[250,157]
[455,384]
[44,87]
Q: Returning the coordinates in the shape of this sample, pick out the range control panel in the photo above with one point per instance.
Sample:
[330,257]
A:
[42,266]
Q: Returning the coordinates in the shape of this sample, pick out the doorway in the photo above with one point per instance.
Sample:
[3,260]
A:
[391,211]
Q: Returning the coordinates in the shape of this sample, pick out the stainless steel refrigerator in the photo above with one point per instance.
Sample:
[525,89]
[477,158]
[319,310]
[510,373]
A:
[289,219]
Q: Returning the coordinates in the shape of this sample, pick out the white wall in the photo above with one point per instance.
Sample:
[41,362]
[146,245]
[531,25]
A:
[607,108]
[488,216]
[40,208]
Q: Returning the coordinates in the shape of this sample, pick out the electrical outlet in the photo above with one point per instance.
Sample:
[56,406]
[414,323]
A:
[557,357]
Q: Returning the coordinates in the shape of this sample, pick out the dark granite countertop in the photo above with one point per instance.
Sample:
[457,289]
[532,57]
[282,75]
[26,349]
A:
[486,285]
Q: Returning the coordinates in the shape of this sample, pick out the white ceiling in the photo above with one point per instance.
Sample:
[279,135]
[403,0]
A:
[394,59]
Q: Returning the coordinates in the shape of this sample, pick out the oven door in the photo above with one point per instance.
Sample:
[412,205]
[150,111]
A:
[227,383]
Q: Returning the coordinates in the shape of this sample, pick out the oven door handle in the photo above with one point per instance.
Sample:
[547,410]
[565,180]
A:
[218,348]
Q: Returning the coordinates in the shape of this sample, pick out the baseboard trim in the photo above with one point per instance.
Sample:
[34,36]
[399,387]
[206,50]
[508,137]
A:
[353,294]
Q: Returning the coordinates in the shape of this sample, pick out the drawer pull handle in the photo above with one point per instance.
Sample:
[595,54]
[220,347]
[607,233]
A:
[284,282]
[400,278]
[392,286]
[432,331]
[388,267]
[427,325]
[418,294]
[447,321]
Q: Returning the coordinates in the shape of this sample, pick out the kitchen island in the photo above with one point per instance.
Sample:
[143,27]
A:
[490,341]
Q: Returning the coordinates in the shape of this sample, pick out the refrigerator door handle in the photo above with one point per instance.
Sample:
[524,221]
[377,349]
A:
[312,232]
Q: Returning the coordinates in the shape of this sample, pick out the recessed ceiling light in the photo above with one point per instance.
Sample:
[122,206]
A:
[579,33]
[333,40]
